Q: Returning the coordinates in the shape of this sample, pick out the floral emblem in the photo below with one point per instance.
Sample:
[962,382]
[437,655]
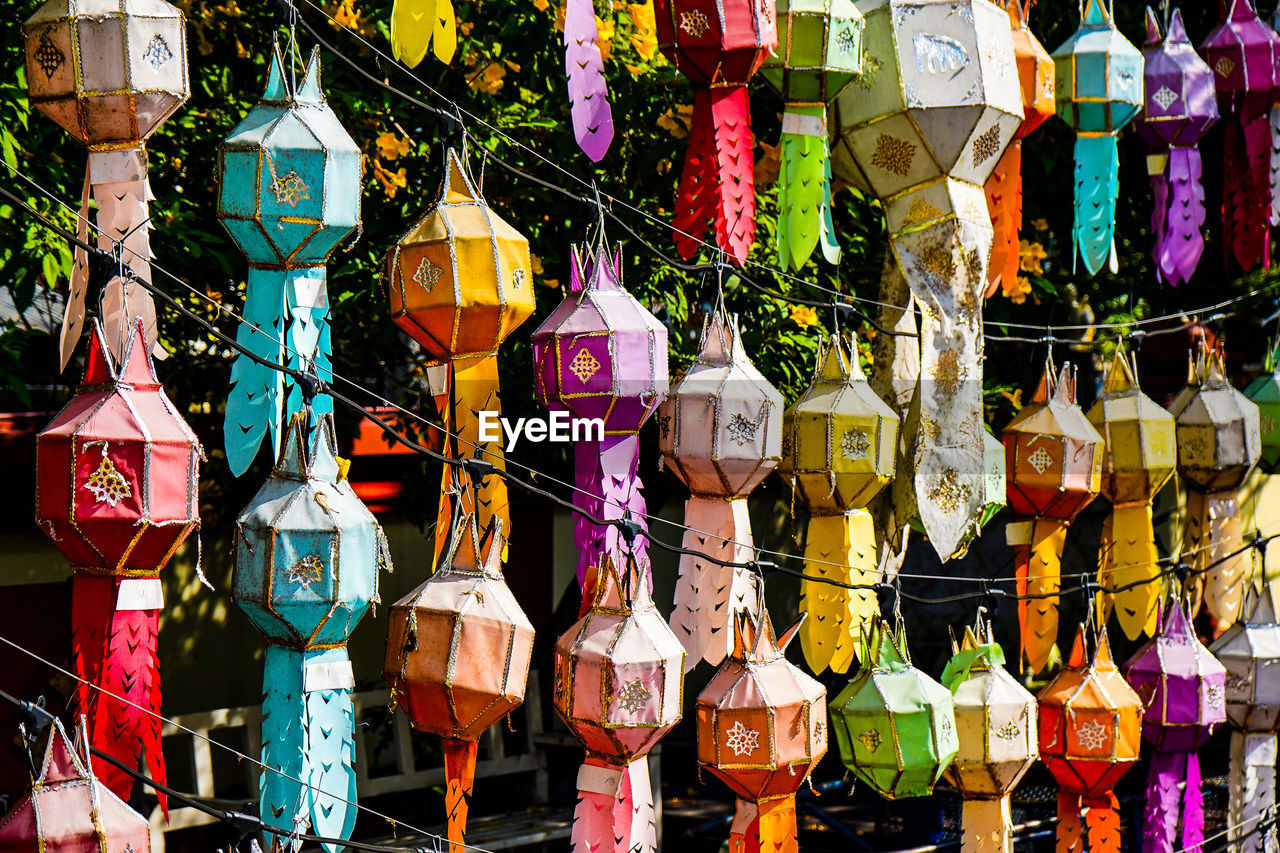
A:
[870,739]
[48,55]
[305,571]
[694,22]
[742,740]
[1092,735]
[742,429]
[893,155]
[634,696]
[290,189]
[855,444]
[948,493]
[106,483]
[1040,460]
[987,145]
[1164,96]
[584,365]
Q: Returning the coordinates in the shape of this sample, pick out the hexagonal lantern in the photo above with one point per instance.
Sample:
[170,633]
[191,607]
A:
[458,651]
[109,73]
[819,54]
[1054,459]
[722,435]
[1178,109]
[1244,54]
[1218,445]
[307,554]
[1099,80]
[1138,458]
[1265,394]
[895,726]
[838,445]
[1181,686]
[1250,650]
[288,194]
[996,732]
[1004,187]
[762,727]
[619,682]
[1090,724]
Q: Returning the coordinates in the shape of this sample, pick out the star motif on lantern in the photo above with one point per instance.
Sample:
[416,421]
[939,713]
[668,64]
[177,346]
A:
[948,492]
[893,155]
[741,428]
[1164,96]
[694,22]
[290,189]
[1040,460]
[106,483]
[427,275]
[305,571]
[855,444]
[1009,731]
[742,740]
[584,365]
[158,52]
[634,696]
[870,739]
[49,56]
[1092,735]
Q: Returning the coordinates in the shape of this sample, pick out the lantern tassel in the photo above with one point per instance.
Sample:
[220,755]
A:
[460,773]
[804,193]
[1004,201]
[307,340]
[256,393]
[988,826]
[1246,191]
[588,91]
[842,548]
[607,481]
[708,594]
[1039,563]
[1097,186]
[768,826]
[308,735]
[1252,793]
[1128,558]
[1174,799]
[1213,537]
[717,184]
[1088,826]
[1178,215]
[615,808]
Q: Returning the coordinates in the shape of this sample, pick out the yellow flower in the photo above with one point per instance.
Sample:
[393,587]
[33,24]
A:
[535,264]
[541,5]
[1031,256]
[604,37]
[489,80]
[1017,289]
[804,316]
[644,35]
[770,165]
[391,181]
[347,15]
[391,146]
[560,12]
[677,120]
[465,27]
[1015,399]
[1040,224]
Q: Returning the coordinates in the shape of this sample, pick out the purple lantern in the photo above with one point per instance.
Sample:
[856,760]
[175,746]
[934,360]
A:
[1179,108]
[1242,52]
[602,357]
[1182,686]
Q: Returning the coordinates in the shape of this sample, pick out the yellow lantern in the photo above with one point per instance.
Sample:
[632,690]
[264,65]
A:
[837,452]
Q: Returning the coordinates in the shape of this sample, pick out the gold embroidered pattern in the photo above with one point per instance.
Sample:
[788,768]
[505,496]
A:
[584,365]
[634,696]
[290,189]
[427,275]
[949,372]
[1225,66]
[870,739]
[948,493]
[306,571]
[893,155]
[106,483]
[742,740]
[938,262]
[986,145]
[694,22]
[1009,731]
[920,211]
[855,444]
[870,69]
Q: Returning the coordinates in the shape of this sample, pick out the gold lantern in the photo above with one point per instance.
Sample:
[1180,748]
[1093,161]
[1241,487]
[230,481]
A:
[837,452]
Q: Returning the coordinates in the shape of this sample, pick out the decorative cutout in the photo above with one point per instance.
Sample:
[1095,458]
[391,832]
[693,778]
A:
[1040,460]
[893,155]
[306,571]
[694,22]
[939,54]
[1092,735]
[846,40]
[855,444]
[158,52]
[742,429]
[1009,731]
[742,740]
[427,275]
[49,56]
[1164,96]
[949,493]
[290,189]
[517,278]
[664,424]
[584,365]
[634,696]
[1213,695]
[987,145]
[1224,66]
[870,739]
[107,484]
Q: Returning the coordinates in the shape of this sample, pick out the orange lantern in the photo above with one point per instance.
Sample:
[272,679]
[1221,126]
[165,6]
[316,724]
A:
[1054,469]
[1090,731]
[762,726]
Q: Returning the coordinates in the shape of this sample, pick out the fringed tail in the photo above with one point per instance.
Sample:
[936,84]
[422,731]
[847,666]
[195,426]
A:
[1213,547]
[1252,793]
[1097,185]
[769,826]
[460,780]
[1180,241]
[804,211]
[988,826]
[1038,560]
[1174,815]
[1246,192]
[307,340]
[615,811]
[1128,558]
[1004,202]
[256,396]
[588,91]
[608,487]
[842,548]
[717,184]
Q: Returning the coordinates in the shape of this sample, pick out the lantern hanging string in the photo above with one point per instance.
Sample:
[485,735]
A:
[479,468]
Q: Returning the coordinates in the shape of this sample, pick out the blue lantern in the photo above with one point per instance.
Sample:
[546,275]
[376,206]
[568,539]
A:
[289,193]
[307,554]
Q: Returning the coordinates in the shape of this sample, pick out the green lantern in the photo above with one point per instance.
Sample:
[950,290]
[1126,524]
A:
[1265,392]
[895,726]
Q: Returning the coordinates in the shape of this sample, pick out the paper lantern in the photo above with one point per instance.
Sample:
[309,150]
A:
[1138,458]
[589,107]
[1264,392]
[1004,187]
[1243,53]
[837,454]
[721,435]
[116,479]
[895,726]
[288,194]
[1090,731]
[762,727]
[600,355]
[819,54]
[996,732]
[619,682]
[1099,79]
[110,72]
[68,809]
[1181,687]
[718,46]
[307,554]
[458,651]
[1179,107]
[938,103]
[1218,445]
[1054,458]
[1274,218]
[1250,650]
[415,24]
[460,283]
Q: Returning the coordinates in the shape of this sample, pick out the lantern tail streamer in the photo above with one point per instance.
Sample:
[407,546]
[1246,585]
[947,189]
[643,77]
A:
[253,403]
[308,735]
[717,184]
[1174,801]
[842,548]
[1252,792]
[988,826]
[1088,826]
[1274,218]
[804,192]
[460,774]
[615,808]
[644,822]
[78,287]
[1178,216]
[1128,558]
[695,199]
[607,486]
[1213,537]
[446,31]
[708,595]
[307,339]
[1246,191]
[588,91]
[1004,201]
[414,23]
[1097,186]
[768,826]
[1039,564]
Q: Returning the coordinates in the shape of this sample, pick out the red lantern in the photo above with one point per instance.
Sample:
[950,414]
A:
[718,45]
[116,475]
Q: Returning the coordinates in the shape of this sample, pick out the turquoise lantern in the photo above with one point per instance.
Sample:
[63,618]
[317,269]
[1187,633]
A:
[1265,392]
[307,554]
[288,193]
